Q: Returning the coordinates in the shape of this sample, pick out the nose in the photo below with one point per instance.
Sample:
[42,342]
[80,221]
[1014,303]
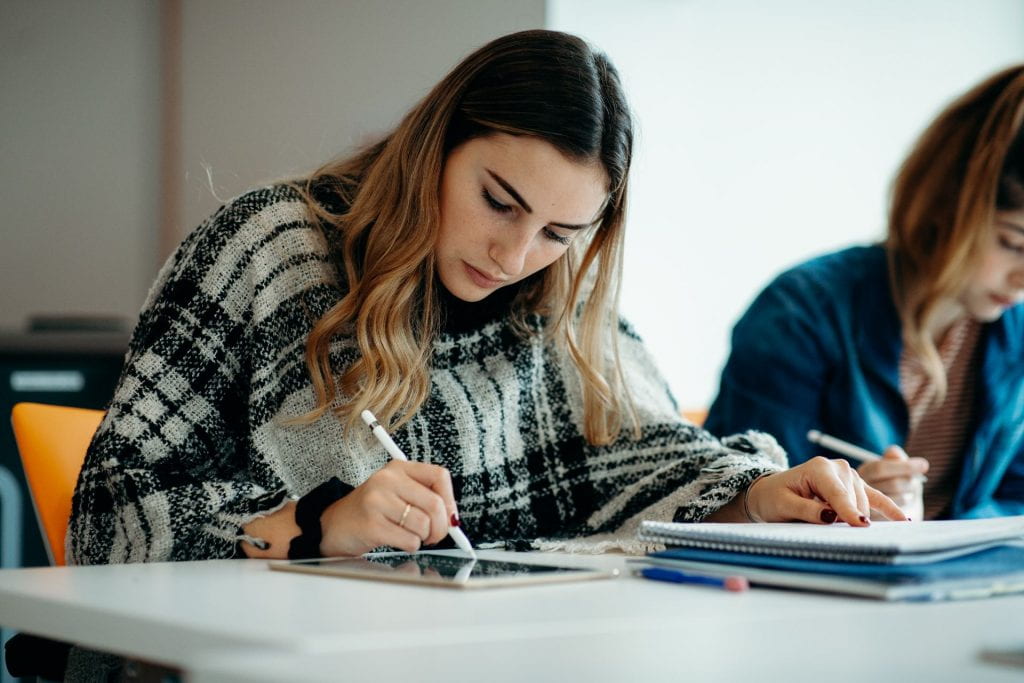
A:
[509,249]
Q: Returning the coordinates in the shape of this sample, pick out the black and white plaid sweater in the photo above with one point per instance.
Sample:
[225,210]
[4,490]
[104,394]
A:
[195,442]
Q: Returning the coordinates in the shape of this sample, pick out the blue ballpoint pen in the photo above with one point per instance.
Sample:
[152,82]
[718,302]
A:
[729,583]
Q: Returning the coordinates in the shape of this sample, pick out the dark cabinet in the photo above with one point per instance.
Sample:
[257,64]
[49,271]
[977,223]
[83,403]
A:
[63,368]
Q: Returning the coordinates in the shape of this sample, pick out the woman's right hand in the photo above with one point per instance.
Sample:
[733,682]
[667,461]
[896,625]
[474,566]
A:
[900,477]
[403,505]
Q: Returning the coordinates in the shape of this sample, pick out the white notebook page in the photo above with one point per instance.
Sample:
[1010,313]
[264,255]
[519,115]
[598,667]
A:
[880,537]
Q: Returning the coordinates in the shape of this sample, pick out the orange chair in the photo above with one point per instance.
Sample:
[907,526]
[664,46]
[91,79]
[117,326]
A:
[696,416]
[52,441]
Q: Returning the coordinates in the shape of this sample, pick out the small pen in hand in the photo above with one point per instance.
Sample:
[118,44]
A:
[729,583]
[395,452]
[847,449]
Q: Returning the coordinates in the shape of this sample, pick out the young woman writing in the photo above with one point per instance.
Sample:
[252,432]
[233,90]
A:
[915,345]
[459,279]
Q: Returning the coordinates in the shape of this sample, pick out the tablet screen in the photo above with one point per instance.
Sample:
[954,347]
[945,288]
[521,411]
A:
[456,571]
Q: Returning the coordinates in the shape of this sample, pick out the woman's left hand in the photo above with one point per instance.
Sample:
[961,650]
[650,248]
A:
[820,491]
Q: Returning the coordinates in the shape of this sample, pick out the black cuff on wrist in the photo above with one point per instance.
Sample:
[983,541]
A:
[307,515]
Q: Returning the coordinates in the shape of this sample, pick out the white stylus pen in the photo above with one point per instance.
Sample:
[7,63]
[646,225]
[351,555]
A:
[457,534]
[848,449]
[842,447]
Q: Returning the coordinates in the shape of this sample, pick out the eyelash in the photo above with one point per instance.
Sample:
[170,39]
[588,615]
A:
[506,209]
[495,204]
[1007,244]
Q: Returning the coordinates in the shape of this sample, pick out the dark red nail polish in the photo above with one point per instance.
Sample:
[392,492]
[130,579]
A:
[864,519]
[455,519]
[909,519]
[828,516]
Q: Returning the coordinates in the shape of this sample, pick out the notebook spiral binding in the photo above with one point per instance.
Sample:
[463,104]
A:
[755,544]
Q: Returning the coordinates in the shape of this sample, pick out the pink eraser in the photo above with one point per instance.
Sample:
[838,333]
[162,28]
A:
[736,583]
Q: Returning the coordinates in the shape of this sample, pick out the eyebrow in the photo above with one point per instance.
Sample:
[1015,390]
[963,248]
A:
[526,207]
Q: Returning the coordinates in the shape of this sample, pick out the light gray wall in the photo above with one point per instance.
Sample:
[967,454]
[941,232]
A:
[269,88]
[78,156]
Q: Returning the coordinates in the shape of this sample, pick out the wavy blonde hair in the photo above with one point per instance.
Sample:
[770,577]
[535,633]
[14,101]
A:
[965,166]
[386,207]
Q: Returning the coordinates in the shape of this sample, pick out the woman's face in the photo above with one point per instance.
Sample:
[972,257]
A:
[510,206]
[998,283]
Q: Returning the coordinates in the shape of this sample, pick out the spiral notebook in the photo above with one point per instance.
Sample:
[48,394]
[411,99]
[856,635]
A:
[986,573]
[938,560]
[880,543]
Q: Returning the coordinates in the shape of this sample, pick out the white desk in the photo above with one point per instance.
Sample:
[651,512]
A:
[239,621]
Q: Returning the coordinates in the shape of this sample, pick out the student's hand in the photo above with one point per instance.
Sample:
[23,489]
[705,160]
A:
[900,477]
[819,491]
[372,514]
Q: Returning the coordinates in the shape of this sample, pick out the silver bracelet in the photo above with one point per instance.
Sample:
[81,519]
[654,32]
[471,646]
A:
[746,494]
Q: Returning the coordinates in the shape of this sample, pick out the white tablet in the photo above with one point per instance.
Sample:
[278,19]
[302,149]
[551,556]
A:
[438,569]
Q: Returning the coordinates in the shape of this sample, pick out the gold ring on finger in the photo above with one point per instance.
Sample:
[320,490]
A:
[405,513]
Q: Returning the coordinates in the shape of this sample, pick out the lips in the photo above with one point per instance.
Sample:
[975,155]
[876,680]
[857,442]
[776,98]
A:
[481,279]
[1003,301]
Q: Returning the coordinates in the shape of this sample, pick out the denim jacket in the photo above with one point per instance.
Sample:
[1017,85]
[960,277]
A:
[819,349]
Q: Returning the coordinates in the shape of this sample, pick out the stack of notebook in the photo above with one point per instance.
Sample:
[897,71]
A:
[888,560]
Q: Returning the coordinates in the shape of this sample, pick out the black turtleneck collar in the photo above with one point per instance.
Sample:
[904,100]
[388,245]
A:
[460,317]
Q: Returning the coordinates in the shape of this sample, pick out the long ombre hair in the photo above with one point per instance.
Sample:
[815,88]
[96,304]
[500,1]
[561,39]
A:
[544,84]
[966,165]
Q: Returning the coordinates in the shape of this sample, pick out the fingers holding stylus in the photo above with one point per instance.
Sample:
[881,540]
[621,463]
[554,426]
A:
[424,487]
[436,478]
[403,505]
[439,480]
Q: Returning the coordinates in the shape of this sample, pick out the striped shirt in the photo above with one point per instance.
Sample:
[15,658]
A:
[938,432]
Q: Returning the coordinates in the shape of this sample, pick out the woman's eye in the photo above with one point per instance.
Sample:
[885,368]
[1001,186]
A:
[1009,245]
[507,208]
[495,204]
[552,235]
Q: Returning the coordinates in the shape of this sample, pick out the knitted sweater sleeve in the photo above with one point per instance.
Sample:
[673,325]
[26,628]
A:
[170,474]
[674,471]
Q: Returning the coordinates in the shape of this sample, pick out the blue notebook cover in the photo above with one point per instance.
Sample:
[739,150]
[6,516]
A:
[987,572]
